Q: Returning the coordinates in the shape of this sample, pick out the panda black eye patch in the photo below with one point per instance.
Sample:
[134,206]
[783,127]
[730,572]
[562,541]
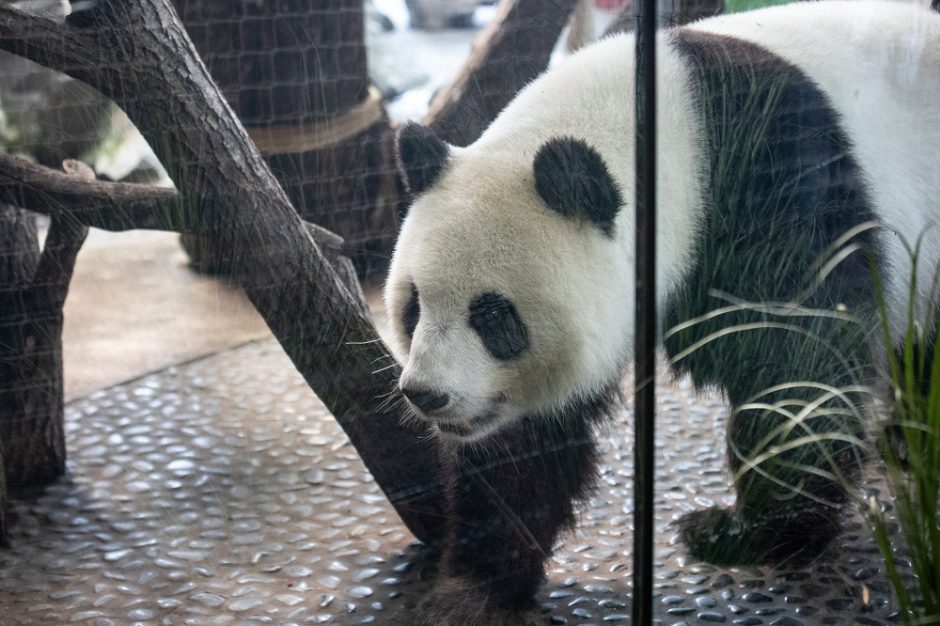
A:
[411,313]
[496,321]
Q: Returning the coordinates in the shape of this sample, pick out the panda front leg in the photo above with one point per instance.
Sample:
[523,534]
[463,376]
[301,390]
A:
[509,499]
[800,397]
[792,473]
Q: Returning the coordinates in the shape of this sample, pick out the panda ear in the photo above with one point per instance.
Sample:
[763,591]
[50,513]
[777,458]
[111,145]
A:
[420,156]
[572,179]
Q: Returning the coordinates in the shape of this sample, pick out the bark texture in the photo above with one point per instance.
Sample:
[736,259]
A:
[3,503]
[110,206]
[138,54]
[33,287]
[510,52]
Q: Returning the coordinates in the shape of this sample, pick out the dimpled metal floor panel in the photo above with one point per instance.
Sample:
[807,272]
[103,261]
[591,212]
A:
[222,492]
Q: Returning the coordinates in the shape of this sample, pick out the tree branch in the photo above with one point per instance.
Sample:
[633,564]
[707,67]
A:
[508,54]
[57,262]
[45,41]
[110,206]
[76,200]
[50,284]
[138,54]
[107,205]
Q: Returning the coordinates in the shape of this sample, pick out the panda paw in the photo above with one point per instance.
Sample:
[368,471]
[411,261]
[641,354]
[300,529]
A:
[456,602]
[716,536]
[722,537]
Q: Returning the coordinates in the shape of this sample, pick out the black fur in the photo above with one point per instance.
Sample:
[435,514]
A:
[411,313]
[573,180]
[782,186]
[496,321]
[508,500]
[421,157]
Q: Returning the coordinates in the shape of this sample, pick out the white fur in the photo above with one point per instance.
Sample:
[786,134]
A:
[482,227]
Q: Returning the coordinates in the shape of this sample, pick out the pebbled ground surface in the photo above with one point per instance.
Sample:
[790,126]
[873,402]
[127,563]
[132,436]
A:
[222,492]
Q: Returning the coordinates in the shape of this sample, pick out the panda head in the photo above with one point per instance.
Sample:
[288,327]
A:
[509,294]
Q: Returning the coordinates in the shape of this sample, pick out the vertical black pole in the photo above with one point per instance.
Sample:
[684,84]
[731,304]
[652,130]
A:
[645,338]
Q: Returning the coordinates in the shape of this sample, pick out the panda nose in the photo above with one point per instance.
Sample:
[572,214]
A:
[427,401]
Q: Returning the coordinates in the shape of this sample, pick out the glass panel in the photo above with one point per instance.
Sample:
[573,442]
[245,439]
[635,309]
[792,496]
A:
[351,336]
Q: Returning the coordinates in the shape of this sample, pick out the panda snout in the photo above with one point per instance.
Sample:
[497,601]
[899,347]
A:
[426,401]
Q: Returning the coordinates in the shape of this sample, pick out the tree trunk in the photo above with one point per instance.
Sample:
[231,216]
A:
[19,256]
[32,292]
[3,503]
[31,434]
[295,73]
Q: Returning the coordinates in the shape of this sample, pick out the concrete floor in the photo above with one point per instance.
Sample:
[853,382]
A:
[135,307]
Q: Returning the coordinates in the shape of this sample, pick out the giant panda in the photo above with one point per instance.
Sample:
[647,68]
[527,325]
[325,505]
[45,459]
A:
[798,160]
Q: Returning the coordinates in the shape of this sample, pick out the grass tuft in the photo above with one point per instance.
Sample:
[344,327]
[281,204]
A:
[911,454]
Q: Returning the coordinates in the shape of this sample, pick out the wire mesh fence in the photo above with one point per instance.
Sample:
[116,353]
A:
[298,209]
